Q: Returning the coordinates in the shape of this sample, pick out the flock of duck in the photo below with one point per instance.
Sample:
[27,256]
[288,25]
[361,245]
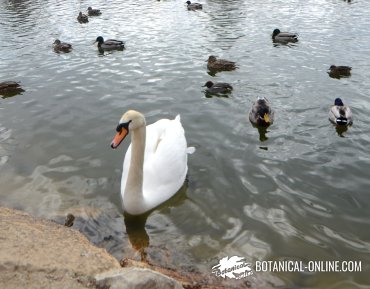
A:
[155,164]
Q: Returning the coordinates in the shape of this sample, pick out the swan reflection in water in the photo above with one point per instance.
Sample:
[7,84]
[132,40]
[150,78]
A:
[136,225]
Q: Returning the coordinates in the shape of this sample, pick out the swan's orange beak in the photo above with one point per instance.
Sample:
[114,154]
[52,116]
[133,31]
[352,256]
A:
[118,138]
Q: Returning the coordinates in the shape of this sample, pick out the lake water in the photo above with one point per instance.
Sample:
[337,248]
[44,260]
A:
[299,192]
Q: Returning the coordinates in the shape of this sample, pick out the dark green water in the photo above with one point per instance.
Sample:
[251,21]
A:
[301,194]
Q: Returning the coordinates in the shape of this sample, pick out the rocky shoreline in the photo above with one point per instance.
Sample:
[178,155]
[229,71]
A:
[37,253]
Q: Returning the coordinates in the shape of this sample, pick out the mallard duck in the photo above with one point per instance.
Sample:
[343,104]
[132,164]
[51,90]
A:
[194,6]
[218,87]
[9,85]
[93,12]
[340,114]
[110,44]
[220,64]
[82,18]
[155,164]
[61,46]
[338,71]
[278,36]
[10,88]
[261,113]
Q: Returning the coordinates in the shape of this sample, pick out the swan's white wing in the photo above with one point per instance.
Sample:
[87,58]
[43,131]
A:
[165,161]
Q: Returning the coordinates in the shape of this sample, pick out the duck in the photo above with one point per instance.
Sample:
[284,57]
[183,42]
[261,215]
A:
[6,86]
[82,18]
[338,71]
[218,87]
[155,163]
[194,6]
[110,44]
[340,114]
[93,12]
[261,113]
[278,36]
[10,88]
[215,64]
[61,46]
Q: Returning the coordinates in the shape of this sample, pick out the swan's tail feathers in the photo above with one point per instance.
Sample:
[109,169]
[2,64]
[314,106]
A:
[190,150]
[178,117]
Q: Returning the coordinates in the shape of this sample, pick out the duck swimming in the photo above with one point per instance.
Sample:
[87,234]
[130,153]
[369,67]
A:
[194,6]
[10,88]
[82,18]
[340,114]
[62,46]
[215,64]
[261,113]
[218,87]
[339,71]
[155,164]
[278,36]
[110,44]
[9,85]
[93,12]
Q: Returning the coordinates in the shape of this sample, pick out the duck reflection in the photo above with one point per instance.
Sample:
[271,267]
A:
[341,129]
[262,132]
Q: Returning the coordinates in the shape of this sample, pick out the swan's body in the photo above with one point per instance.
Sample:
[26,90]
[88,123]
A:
[340,114]
[261,113]
[278,36]
[155,163]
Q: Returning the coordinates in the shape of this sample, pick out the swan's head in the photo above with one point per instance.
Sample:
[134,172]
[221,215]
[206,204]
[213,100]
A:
[131,120]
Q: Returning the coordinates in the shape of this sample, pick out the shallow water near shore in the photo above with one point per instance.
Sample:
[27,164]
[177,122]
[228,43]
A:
[297,191]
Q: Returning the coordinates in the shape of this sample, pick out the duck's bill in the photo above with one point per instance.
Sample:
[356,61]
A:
[266,118]
[118,138]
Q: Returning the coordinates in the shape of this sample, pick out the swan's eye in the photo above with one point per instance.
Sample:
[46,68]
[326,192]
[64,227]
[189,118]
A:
[123,125]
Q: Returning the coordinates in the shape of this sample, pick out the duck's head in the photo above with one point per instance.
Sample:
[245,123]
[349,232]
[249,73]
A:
[275,32]
[99,39]
[212,59]
[338,102]
[188,2]
[80,14]
[263,109]
[130,120]
[57,41]
[208,84]
[89,8]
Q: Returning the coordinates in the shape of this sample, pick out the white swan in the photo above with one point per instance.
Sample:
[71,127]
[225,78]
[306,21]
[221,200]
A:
[155,164]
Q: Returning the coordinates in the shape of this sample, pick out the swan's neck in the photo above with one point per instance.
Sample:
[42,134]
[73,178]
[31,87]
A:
[134,202]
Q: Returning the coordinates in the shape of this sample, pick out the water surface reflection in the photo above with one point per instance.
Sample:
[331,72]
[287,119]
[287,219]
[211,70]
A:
[298,190]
